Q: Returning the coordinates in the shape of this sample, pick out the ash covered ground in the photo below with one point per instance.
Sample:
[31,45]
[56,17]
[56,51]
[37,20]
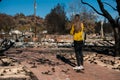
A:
[57,63]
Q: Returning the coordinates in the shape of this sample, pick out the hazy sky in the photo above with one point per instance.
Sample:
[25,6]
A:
[13,7]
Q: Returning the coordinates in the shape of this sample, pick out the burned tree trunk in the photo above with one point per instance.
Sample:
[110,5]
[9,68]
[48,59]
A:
[118,6]
[117,40]
[117,31]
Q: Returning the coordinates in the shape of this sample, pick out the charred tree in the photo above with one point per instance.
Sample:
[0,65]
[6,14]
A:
[114,22]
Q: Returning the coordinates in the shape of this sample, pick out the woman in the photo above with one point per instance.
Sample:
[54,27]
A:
[77,32]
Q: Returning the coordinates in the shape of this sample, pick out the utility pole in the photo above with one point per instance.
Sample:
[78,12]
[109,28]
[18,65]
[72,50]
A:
[35,6]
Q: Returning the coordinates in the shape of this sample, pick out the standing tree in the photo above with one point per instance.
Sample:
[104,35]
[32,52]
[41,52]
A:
[55,20]
[114,22]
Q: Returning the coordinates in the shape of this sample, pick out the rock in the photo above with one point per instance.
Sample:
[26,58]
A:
[47,72]
[53,69]
[6,61]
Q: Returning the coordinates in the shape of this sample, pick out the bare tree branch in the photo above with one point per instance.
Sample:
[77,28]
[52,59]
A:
[105,12]
[92,7]
[110,6]
[118,6]
[118,20]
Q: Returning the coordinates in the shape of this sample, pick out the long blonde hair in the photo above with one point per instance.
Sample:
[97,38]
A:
[77,23]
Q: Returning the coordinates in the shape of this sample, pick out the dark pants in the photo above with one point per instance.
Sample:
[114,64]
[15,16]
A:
[78,52]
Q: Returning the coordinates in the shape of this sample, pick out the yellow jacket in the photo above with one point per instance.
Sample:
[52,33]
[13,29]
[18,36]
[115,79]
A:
[77,36]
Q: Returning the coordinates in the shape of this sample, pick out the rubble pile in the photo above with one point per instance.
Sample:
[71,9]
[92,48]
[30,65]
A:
[6,61]
[103,60]
[96,40]
[57,41]
[64,40]
[11,69]
[51,41]
[99,42]
[26,44]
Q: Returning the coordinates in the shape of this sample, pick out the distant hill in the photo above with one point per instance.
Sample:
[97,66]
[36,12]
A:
[21,22]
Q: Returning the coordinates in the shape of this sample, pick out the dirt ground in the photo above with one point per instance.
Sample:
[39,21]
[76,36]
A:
[47,65]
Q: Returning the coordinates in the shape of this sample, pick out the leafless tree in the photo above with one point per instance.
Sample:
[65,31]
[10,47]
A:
[114,22]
